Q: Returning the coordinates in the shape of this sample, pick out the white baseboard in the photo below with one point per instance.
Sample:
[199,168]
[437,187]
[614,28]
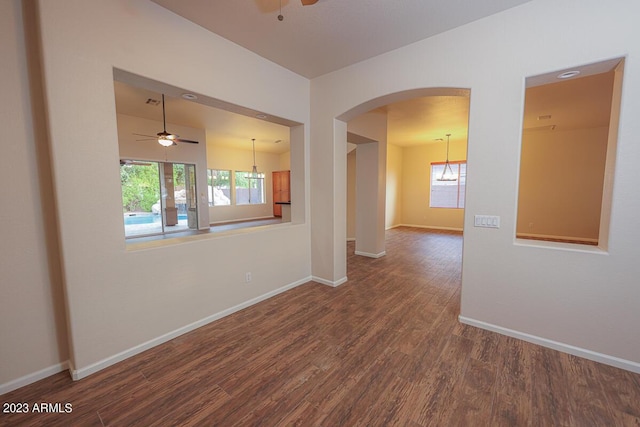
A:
[565,348]
[431,227]
[33,377]
[370,255]
[77,374]
[329,282]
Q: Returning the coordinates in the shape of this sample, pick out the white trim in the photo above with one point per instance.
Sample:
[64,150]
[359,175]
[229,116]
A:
[33,377]
[329,282]
[77,374]
[565,348]
[433,227]
[370,255]
[351,239]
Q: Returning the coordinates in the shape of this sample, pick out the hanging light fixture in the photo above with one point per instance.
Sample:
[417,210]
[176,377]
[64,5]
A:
[447,173]
[254,171]
[255,176]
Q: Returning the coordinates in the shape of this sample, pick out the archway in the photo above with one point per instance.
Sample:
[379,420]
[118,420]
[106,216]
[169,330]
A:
[367,128]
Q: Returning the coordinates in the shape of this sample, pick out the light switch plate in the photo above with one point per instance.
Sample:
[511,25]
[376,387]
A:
[487,221]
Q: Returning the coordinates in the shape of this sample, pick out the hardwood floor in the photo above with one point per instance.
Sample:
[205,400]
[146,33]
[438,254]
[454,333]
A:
[384,349]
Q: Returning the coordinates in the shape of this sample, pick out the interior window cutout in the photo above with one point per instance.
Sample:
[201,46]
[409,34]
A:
[185,162]
[568,150]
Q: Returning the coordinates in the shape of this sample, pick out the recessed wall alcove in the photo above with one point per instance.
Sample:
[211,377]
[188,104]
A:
[569,140]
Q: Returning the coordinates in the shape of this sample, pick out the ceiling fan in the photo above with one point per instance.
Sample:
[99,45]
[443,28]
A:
[165,138]
[304,3]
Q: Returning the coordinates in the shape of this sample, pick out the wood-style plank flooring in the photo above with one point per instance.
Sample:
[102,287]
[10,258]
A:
[383,349]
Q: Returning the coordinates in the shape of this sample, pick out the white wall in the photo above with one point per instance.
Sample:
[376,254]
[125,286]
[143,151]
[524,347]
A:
[581,301]
[285,161]
[120,298]
[33,339]
[393,205]
[351,194]
[560,186]
[371,162]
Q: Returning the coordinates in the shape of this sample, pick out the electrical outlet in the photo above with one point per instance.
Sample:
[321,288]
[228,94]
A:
[247,277]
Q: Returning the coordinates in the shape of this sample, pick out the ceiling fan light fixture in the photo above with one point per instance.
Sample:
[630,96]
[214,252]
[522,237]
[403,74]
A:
[165,141]
[165,138]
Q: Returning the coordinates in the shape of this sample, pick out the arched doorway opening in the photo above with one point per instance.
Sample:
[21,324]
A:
[395,144]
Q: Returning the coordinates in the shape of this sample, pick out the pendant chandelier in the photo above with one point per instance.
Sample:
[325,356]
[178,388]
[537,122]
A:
[447,173]
[254,171]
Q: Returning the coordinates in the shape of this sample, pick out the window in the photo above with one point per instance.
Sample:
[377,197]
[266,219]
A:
[249,189]
[219,183]
[450,193]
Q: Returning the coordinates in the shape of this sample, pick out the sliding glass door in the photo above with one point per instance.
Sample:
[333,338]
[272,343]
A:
[158,197]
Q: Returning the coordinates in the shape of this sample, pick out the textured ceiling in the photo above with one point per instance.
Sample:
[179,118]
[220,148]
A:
[423,120]
[332,34]
[577,103]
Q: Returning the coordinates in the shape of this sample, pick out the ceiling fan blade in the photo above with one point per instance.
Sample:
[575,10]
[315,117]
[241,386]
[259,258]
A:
[147,139]
[186,140]
[309,2]
[134,162]
[141,134]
